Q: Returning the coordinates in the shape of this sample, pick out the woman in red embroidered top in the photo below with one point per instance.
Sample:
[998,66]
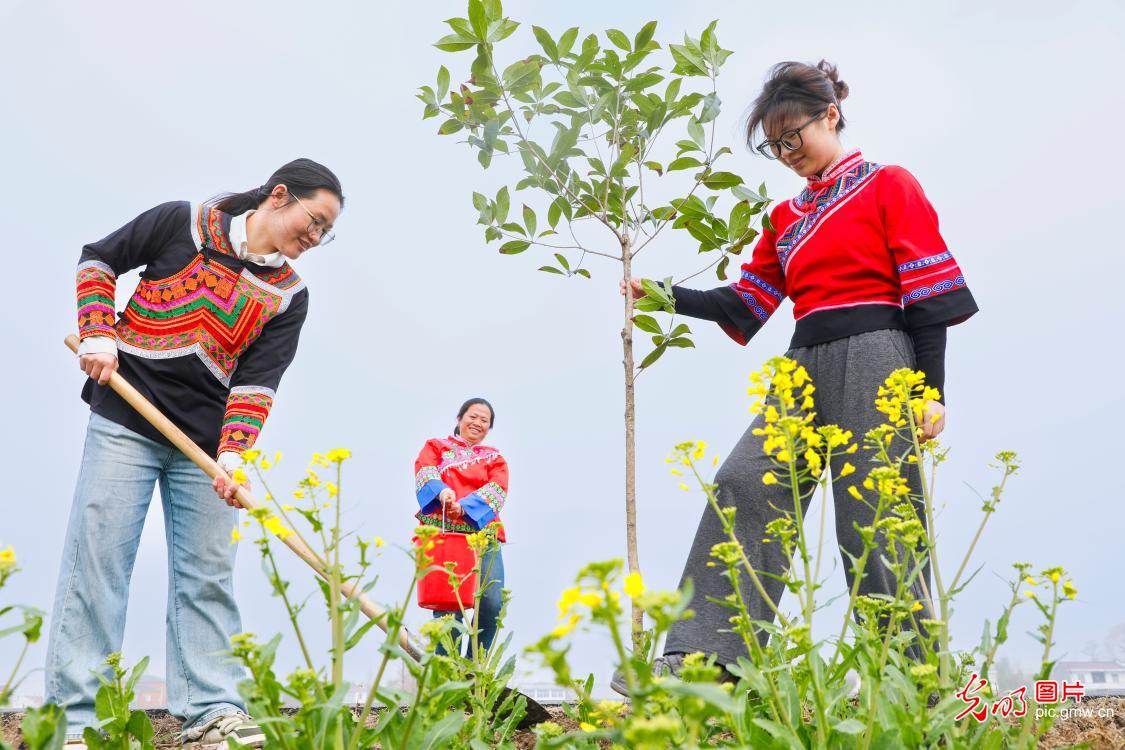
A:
[468,482]
[206,337]
[874,288]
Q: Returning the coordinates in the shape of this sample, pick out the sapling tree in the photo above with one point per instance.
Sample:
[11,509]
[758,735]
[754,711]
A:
[590,123]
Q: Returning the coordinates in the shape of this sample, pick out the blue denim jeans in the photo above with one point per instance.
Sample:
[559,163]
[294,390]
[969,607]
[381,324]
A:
[115,485]
[491,598]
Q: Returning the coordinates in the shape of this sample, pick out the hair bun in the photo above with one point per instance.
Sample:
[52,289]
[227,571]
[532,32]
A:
[839,88]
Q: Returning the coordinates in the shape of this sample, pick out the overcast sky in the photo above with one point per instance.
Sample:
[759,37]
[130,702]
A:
[1006,112]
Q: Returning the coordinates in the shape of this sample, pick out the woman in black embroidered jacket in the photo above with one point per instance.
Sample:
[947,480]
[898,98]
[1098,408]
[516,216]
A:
[206,337]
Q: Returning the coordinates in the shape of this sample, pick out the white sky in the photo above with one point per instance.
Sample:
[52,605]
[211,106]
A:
[1006,112]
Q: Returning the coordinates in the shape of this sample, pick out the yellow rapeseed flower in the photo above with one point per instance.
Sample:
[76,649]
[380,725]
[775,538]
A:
[854,492]
[634,585]
[769,478]
[337,455]
[7,558]
[566,627]
[683,487]
[587,727]
[848,469]
[1069,591]
[917,607]
[274,525]
[239,476]
[234,535]
[378,542]
[251,455]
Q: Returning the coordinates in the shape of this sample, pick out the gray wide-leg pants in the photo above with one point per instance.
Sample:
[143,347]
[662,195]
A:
[847,374]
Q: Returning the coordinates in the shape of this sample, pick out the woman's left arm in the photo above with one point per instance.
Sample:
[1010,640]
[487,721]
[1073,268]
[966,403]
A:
[483,505]
[256,379]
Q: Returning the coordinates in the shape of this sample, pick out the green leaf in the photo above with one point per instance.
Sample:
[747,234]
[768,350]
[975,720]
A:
[442,82]
[478,20]
[695,132]
[501,29]
[619,39]
[452,125]
[722,180]
[566,41]
[739,220]
[721,269]
[512,226]
[514,247]
[684,162]
[688,61]
[746,194]
[655,167]
[529,221]
[453,43]
[766,223]
[520,75]
[849,726]
[554,212]
[546,42]
[681,343]
[711,106]
[551,269]
[357,636]
[654,355]
[582,272]
[502,203]
[647,323]
[480,203]
[562,261]
[644,36]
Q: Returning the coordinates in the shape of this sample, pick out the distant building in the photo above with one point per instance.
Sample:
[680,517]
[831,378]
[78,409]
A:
[1098,677]
[150,693]
[547,692]
[24,700]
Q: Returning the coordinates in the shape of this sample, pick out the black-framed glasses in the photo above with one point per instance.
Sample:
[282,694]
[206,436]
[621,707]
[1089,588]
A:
[790,140]
[316,228]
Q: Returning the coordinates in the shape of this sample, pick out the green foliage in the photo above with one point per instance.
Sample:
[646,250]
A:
[119,728]
[586,120]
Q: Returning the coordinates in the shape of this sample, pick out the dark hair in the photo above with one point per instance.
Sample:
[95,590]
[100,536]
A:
[794,90]
[473,402]
[303,177]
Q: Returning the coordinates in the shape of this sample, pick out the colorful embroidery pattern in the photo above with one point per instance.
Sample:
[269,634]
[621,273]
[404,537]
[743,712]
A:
[424,475]
[97,288]
[931,260]
[752,302]
[821,204]
[247,409]
[940,287]
[763,285]
[205,309]
[449,525]
[494,495]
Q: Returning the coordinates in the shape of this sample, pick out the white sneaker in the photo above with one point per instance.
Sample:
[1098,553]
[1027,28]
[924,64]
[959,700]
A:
[237,726]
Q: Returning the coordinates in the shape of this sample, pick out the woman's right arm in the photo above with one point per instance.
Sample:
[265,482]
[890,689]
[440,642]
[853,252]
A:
[99,265]
[428,487]
[743,307]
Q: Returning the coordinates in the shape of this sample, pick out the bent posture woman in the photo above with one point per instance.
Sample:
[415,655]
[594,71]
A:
[206,337]
[873,288]
[461,485]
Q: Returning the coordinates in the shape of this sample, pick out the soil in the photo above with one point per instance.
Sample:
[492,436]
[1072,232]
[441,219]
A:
[1094,732]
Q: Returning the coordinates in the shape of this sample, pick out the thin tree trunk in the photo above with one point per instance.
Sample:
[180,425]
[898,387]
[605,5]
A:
[630,440]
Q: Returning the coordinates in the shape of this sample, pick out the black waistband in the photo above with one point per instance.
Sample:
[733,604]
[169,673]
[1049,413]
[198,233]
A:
[829,325]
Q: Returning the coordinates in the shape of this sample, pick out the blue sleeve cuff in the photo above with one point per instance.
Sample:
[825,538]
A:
[428,495]
[478,511]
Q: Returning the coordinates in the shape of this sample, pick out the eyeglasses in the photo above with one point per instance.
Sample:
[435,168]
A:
[791,139]
[316,228]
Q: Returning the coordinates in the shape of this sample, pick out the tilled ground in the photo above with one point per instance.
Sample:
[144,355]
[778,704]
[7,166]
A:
[1089,730]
